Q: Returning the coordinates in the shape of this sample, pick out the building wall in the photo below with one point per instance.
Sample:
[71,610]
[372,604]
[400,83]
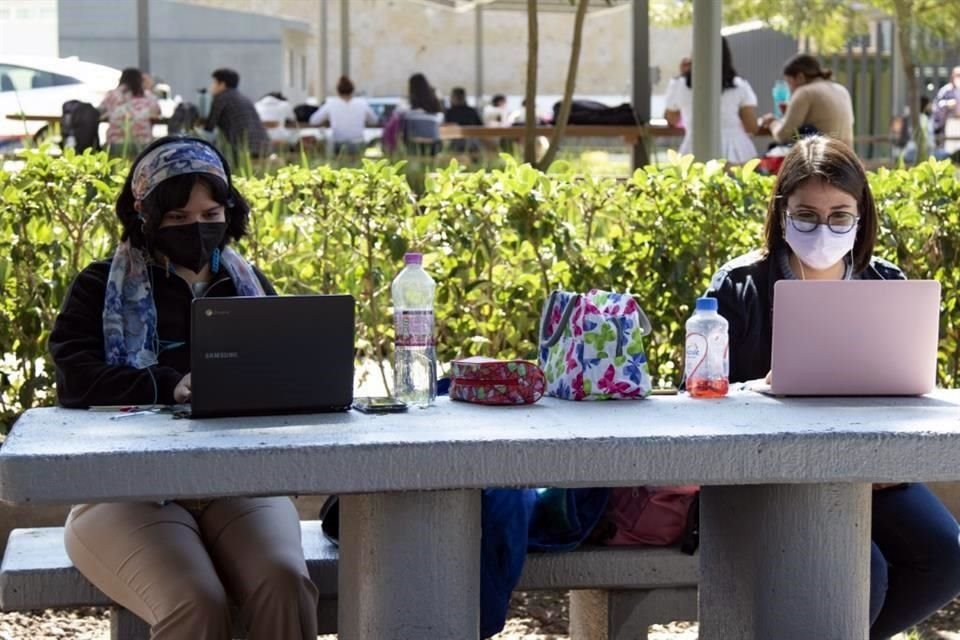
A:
[391,39]
[186,42]
[28,27]
[759,56]
[298,69]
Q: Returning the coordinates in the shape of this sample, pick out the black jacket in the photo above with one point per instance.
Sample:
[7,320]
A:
[76,343]
[463,115]
[744,291]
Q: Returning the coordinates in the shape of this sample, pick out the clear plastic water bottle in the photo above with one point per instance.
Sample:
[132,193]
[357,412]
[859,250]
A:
[203,103]
[707,369]
[415,356]
[781,94]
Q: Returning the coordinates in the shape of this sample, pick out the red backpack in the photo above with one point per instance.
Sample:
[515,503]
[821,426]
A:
[660,516]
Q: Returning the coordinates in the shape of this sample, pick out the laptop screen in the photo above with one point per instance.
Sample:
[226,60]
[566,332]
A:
[273,354]
[855,337]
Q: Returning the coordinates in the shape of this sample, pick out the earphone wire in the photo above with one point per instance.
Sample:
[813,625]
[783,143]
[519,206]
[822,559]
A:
[156,350]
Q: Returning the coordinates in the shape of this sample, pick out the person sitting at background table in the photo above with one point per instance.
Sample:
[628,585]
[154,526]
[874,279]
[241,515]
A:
[235,117]
[495,114]
[276,109]
[347,116]
[417,123]
[129,110]
[459,111]
[738,116]
[464,115]
[822,224]
[817,104]
[946,105]
[123,338]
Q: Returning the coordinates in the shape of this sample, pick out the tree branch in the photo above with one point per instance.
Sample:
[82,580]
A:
[533,46]
[560,127]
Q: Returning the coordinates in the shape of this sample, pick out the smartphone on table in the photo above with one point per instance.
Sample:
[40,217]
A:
[383,404]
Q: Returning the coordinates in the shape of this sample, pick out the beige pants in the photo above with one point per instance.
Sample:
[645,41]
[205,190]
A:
[178,568]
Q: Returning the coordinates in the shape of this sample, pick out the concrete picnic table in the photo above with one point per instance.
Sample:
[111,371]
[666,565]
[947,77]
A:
[785,520]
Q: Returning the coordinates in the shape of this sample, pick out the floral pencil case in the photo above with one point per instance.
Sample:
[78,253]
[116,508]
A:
[489,381]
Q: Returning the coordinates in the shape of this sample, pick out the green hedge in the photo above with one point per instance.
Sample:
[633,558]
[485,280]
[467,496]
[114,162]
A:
[496,242]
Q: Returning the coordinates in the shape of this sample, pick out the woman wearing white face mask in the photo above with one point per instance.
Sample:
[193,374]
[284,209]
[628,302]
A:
[822,225]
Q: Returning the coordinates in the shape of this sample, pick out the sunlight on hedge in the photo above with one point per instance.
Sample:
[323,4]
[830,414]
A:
[495,240]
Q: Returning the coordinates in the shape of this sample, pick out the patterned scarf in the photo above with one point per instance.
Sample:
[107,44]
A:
[130,312]
[180,156]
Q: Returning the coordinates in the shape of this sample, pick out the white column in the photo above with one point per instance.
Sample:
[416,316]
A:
[478,53]
[899,93]
[707,78]
[143,35]
[345,37]
[323,80]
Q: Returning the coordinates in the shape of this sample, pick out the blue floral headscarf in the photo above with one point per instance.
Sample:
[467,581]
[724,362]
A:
[129,310]
[177,158]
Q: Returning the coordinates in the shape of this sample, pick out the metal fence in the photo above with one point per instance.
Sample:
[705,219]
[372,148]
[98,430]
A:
[869,66]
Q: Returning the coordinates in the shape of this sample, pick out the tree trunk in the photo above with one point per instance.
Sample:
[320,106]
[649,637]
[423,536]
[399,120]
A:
[533,47]
[566,106]
[904,15]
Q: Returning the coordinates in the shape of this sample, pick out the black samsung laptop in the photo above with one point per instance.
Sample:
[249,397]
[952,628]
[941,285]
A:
[270,355]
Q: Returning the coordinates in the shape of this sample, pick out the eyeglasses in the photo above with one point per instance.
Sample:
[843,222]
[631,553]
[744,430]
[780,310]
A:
[838,222]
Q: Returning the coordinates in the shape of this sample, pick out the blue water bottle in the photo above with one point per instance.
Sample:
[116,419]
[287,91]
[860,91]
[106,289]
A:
[781,94]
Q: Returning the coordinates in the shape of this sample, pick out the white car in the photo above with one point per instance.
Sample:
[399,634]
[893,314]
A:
[38,86]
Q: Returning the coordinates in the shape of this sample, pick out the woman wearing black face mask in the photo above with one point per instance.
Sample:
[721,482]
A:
[123,338]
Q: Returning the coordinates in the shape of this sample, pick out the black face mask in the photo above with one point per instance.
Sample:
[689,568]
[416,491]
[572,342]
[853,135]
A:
[190,245]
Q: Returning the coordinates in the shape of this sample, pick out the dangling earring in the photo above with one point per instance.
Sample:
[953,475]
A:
[215,260]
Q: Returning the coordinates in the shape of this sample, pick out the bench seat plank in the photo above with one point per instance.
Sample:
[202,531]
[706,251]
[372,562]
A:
[37,574]
[610,568]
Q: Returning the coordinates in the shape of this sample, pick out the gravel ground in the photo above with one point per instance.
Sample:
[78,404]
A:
[78,624]
[534,616]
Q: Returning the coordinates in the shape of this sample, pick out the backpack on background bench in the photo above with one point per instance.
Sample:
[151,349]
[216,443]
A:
[597,113]
[184,119]
[655,516]
[80,126]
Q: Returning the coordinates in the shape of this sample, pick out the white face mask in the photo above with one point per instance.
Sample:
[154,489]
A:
[820,248]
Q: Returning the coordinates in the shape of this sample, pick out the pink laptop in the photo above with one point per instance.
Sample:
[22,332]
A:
[855,337]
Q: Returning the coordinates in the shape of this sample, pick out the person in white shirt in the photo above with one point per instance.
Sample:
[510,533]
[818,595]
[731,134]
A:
[347,116]
[495,114]
[275,108]
[738,112]
[685,66]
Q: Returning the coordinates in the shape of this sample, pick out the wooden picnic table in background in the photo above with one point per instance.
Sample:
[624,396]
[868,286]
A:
[630,133]
[51,119]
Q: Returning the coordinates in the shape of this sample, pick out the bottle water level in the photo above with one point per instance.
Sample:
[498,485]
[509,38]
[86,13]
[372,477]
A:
[415,375]
[703,388]
[415,357]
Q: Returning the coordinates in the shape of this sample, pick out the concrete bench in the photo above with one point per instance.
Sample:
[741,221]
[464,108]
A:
[615,593]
